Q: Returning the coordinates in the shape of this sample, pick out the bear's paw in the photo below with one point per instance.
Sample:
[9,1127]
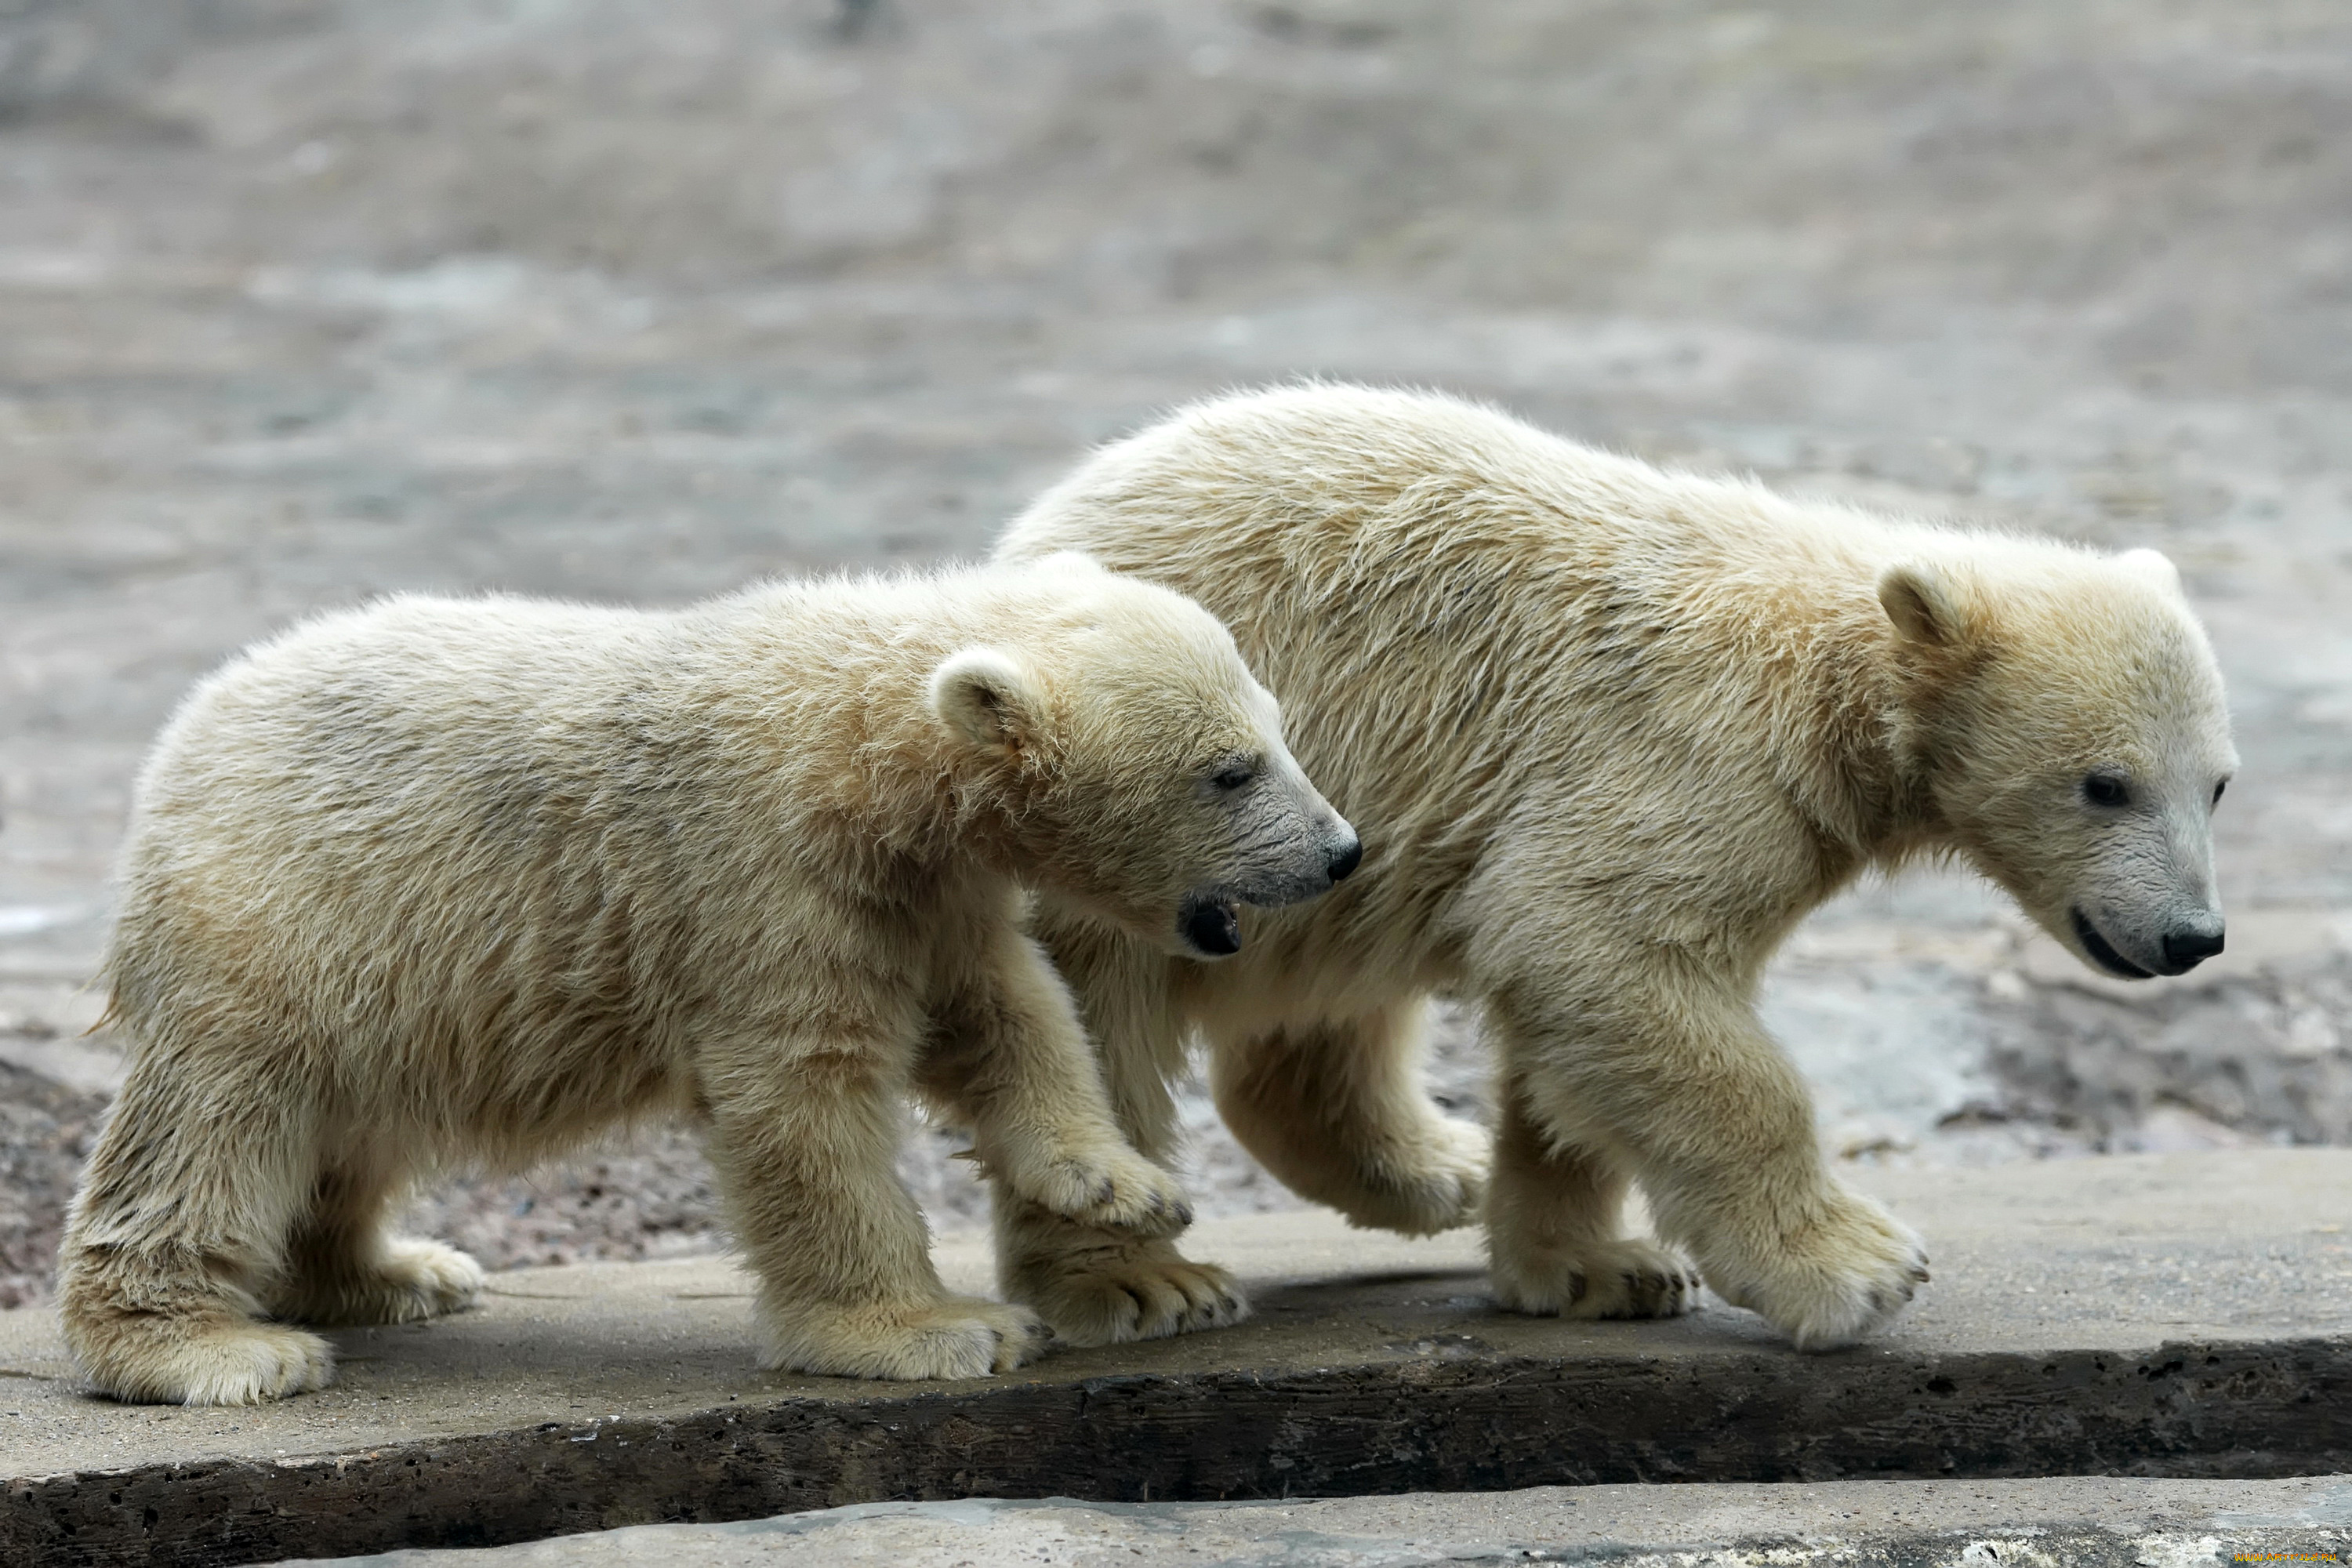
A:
[226,1360]
[1619,1279]
[1437,1182]
[1122,1291]
[1830,1282]
[409,1281]
[1115,1187]
[954,1337]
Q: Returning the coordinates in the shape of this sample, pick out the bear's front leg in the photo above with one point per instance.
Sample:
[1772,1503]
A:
[1005,1055]
[804,1138]
[1672,1066]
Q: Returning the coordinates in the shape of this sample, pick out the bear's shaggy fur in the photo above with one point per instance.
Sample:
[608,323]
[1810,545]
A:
[1608,733]
[442,882]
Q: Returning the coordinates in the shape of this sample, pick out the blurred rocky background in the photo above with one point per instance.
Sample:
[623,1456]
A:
[302,301]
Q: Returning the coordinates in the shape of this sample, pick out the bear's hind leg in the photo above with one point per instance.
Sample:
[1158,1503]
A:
[1338,1112]
[1552,1218]
[804,1145]
[342,1268]
[181,1221]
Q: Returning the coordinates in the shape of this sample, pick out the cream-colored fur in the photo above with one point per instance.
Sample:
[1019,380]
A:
[441,883]
[1609,735]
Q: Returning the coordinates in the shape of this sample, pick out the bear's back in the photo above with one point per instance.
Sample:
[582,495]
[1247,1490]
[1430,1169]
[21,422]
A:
[1491,641]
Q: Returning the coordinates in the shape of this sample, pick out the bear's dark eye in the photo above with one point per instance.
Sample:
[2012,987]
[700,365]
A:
[2218,789]
[2105,789]
[1234,777]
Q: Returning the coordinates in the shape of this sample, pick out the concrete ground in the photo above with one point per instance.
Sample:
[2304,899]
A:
[2185,1316]
[2096,1523]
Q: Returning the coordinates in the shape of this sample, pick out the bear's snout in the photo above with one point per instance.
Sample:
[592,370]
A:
[2182,945]
[2190,945]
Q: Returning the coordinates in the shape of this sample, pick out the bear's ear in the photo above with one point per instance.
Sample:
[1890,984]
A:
[1934,605]
[2154,566]
[987,700]
[1074,561]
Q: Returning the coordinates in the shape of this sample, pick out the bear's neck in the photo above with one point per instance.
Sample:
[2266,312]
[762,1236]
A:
[1870,797]
[840,708]
[918,788]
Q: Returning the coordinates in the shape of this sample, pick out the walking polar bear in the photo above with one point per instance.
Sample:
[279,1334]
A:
[438,883]
[1609,735]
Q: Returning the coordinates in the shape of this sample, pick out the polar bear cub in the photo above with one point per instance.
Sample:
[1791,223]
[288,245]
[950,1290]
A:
[1612,733]
[442,883]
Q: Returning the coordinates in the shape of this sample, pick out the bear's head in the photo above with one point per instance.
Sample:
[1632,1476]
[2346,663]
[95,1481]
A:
[1139,767]
[2066,713]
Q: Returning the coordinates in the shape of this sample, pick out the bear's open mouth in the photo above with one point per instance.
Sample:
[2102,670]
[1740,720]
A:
[1211,926]
[2102,954]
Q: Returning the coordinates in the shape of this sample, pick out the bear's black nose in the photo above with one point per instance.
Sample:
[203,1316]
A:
[2189,946]
[1347,860]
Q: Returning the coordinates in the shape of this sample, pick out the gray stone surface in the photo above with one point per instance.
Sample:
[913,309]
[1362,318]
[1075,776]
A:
[2052,1524]
[2182,1315]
